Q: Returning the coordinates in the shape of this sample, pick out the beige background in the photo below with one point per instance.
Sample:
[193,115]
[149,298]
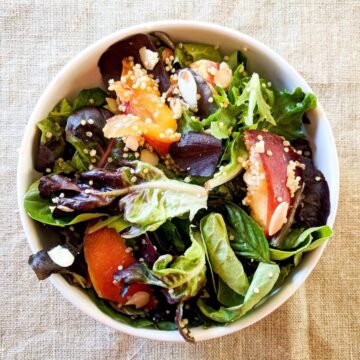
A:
[321,39]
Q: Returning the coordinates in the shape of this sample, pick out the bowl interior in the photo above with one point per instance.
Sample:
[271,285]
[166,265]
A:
[82,72]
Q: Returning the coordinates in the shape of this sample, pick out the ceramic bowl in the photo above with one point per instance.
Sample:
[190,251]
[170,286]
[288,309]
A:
[82,72]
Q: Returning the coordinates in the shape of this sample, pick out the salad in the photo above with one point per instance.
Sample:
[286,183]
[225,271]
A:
[183,191]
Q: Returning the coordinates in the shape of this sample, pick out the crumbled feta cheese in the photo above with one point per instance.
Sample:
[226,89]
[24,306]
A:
[61,256]
[148,57]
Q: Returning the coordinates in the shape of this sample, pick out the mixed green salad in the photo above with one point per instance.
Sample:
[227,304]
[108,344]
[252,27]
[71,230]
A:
[184,192]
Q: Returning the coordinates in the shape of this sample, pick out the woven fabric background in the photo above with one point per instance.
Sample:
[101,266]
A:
[321,39]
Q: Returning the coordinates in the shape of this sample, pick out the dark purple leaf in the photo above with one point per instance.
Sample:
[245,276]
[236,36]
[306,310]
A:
[77,130]
[104,178]
[137,273]
[182,325]
[197,153]
[49,185]
[44,158]
[82,202]
[71,195]
[314,207]
[148,251]
[164,38]
[110,62]
[43,267]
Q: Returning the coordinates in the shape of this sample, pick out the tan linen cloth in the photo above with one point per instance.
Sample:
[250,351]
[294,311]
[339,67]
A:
[321,39]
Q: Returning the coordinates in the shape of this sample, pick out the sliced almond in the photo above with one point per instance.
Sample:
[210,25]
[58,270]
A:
[188,88]
[139,299]
[278,218]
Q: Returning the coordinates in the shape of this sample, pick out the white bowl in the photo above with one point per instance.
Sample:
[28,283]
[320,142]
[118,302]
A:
[82,72]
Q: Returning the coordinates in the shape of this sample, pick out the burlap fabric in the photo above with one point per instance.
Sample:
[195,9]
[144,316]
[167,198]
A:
[321,39]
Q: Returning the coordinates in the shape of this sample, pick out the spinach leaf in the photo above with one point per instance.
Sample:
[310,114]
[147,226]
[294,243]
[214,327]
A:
[187,53]
[108,310]
[307,240]
[227,297]
[262,283]
[250,241]
[238,155]
[89,97]
[288,111]
[222,258]
[170,237]
[39,209]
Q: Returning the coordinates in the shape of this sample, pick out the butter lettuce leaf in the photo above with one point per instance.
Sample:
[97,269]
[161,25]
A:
[262,283]
[222,258]
[154,198]
[305,241]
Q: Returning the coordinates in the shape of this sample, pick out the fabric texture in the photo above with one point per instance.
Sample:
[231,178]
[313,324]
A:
[321,40]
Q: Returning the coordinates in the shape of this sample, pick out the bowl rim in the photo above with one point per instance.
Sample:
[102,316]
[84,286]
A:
[59,282]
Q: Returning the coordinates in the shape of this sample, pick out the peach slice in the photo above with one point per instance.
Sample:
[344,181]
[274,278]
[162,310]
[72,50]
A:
[273,174]
[148,114]
[105,250]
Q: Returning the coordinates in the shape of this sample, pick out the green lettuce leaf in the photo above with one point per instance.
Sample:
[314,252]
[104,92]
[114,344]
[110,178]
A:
[308,240]
[250,241]
[185,275]
[186,124]
[238,154]
[39,209]
[288,111]
[222,258]
[223,120]
[236,83]
[187,53]
[258,107]
[116,222]
[147,205]
[235,59]
[89,97]
[262,283]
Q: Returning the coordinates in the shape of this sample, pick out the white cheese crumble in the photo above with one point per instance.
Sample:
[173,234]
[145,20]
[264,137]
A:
[149,58]
[61,256]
